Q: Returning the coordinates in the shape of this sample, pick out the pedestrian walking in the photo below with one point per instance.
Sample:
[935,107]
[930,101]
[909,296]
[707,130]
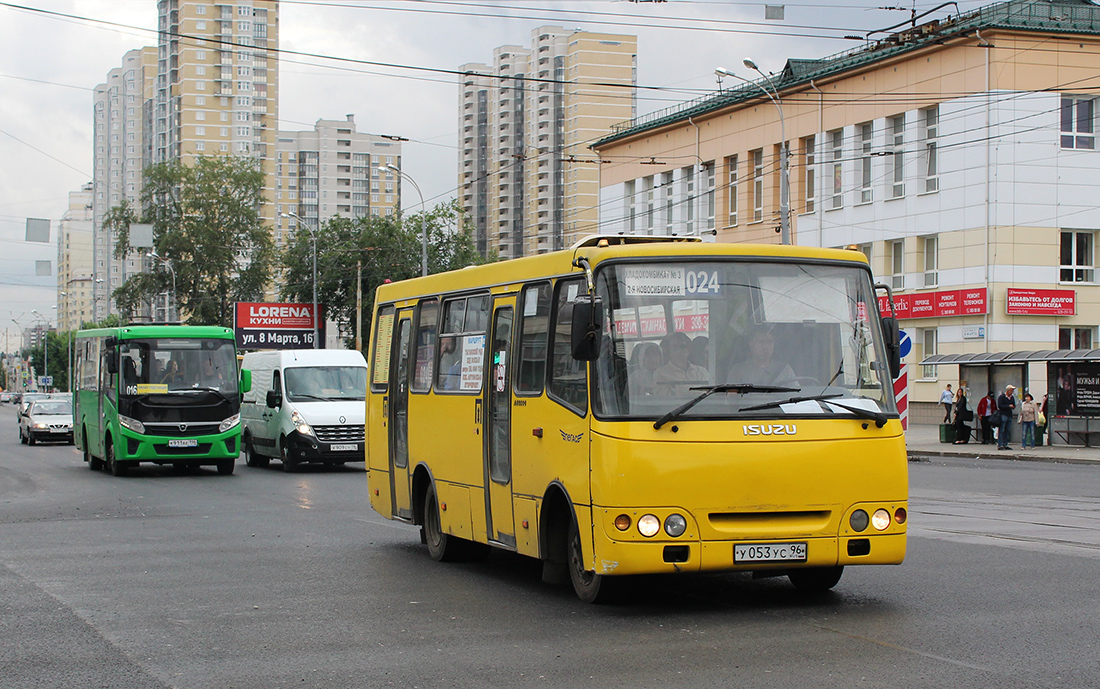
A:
[946,398]
[1006,406]
[1029,415]
[985,412]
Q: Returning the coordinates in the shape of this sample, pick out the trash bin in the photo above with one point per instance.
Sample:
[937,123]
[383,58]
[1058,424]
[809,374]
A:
[947,433]
[1040,431]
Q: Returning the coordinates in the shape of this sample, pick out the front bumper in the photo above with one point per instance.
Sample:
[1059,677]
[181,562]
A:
[308,449]
[167,450]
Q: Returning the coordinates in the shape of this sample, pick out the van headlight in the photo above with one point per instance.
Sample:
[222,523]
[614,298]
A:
[229,423]
[131,424]
[300,424]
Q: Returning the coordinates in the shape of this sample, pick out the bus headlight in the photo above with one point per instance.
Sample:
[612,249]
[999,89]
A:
[300,424]
[649,525]
[131,424]
[880,520]
[229,423]
[859,520]
[675,525]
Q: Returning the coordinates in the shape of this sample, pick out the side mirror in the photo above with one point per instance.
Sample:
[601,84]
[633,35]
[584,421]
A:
[246,381]
[274,399]
[112,362]
[587,327]
[892,334]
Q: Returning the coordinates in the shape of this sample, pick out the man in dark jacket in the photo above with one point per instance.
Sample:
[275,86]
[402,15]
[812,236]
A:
[1006,404]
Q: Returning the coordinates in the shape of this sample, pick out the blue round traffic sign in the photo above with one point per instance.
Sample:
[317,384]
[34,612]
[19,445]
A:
[906,344]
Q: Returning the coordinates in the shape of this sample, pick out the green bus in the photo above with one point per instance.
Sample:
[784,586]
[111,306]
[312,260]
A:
[160,393]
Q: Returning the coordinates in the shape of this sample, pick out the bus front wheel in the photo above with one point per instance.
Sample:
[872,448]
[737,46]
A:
[815,579]
[590,587]
[116,467]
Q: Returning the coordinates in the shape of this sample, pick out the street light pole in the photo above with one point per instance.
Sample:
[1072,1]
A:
[784,154]
[389,167]
[313,236]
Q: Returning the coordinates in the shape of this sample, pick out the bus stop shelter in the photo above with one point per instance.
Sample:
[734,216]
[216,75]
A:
[1072,385]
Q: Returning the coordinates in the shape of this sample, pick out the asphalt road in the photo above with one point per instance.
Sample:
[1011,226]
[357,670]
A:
[266,579]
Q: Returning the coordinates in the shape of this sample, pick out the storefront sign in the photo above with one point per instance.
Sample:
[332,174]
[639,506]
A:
[1040,302]
[957,302]
[273,326]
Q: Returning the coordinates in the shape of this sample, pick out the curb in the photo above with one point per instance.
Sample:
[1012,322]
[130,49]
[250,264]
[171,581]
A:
[926,455]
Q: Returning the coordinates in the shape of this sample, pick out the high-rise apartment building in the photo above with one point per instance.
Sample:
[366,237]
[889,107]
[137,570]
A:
[333,170]
[75,251]
[210,87]
[527,180]
[122,137]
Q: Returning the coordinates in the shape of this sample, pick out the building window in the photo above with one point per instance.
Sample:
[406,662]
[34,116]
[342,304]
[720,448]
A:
[708,195]
[931,121]
[929,347]
[1078,122]
[628,206]
[757,184]
[809,171]
[1077,256]
[690,201]
[896,250]
[896,177]
[731,190]
[650,212]
[836,148]
[1075,338]
[931,261]
[666,199]
[866,132]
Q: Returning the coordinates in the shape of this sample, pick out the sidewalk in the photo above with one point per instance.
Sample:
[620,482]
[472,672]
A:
[923,442]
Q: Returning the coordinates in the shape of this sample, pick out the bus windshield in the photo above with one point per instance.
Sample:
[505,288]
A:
[751,338]
[326,383]
[177,366]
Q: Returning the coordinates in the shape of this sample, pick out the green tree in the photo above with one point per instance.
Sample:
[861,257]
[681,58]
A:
[388,249]
[207,226]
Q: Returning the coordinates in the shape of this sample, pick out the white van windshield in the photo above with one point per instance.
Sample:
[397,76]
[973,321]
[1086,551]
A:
[325,383]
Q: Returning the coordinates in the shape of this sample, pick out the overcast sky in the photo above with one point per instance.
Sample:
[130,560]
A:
[49,66]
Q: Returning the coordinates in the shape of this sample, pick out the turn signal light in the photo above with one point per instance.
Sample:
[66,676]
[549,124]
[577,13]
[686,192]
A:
[622,522]
[900,515]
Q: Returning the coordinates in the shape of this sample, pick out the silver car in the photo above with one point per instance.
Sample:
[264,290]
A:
[47,419]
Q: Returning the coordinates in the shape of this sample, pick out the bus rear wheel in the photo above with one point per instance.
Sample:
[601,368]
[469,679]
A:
[589,586]
[815,579]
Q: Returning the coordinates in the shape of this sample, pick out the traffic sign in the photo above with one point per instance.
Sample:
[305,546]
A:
[45,381]
[906,344]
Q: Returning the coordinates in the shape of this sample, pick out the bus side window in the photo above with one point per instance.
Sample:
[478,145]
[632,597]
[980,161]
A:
[568,376]
[534,332]
[425,345]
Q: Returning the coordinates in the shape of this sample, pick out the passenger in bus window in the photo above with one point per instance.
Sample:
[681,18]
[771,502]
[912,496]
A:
[172,373]
[678,373]
[449,361]
[644,362]
[758,367]
[699,353]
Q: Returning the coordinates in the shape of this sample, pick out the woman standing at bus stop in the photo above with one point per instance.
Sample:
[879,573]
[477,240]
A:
[963,416]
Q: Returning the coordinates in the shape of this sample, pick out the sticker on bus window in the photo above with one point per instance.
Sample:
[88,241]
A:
[151,388]
[473,359]
[654,281]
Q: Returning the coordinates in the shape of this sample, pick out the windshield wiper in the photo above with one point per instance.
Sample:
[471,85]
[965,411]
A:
[300,395]
[878,417]
[709,390]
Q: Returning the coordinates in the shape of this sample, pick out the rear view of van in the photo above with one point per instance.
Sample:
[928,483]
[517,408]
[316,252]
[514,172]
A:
[305,406]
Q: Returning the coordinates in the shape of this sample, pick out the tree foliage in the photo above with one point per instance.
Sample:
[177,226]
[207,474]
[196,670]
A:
[206,225]
[389,249]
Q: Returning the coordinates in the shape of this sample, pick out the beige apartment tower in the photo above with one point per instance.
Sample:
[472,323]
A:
[527,180]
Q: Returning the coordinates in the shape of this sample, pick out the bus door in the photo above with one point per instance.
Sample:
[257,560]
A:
[497,426]
[398,420]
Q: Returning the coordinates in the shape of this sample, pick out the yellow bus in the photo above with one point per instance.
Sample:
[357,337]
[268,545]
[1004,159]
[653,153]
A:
[640,405]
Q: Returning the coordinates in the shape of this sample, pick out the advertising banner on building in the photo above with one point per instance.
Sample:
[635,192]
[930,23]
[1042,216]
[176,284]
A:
[947,303]
[1040,302]
[274,326]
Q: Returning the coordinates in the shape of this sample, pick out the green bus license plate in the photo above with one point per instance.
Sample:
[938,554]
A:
[769,552]
[185,442]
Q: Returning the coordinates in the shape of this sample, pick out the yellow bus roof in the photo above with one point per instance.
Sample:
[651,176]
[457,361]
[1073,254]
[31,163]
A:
[596,249]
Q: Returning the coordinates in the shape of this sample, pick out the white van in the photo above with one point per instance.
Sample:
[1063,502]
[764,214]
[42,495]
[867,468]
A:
[305,405]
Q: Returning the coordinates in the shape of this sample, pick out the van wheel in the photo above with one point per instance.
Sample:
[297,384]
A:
[289,465]
[815,579]
[251,458]
[116,467]
[589,586]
